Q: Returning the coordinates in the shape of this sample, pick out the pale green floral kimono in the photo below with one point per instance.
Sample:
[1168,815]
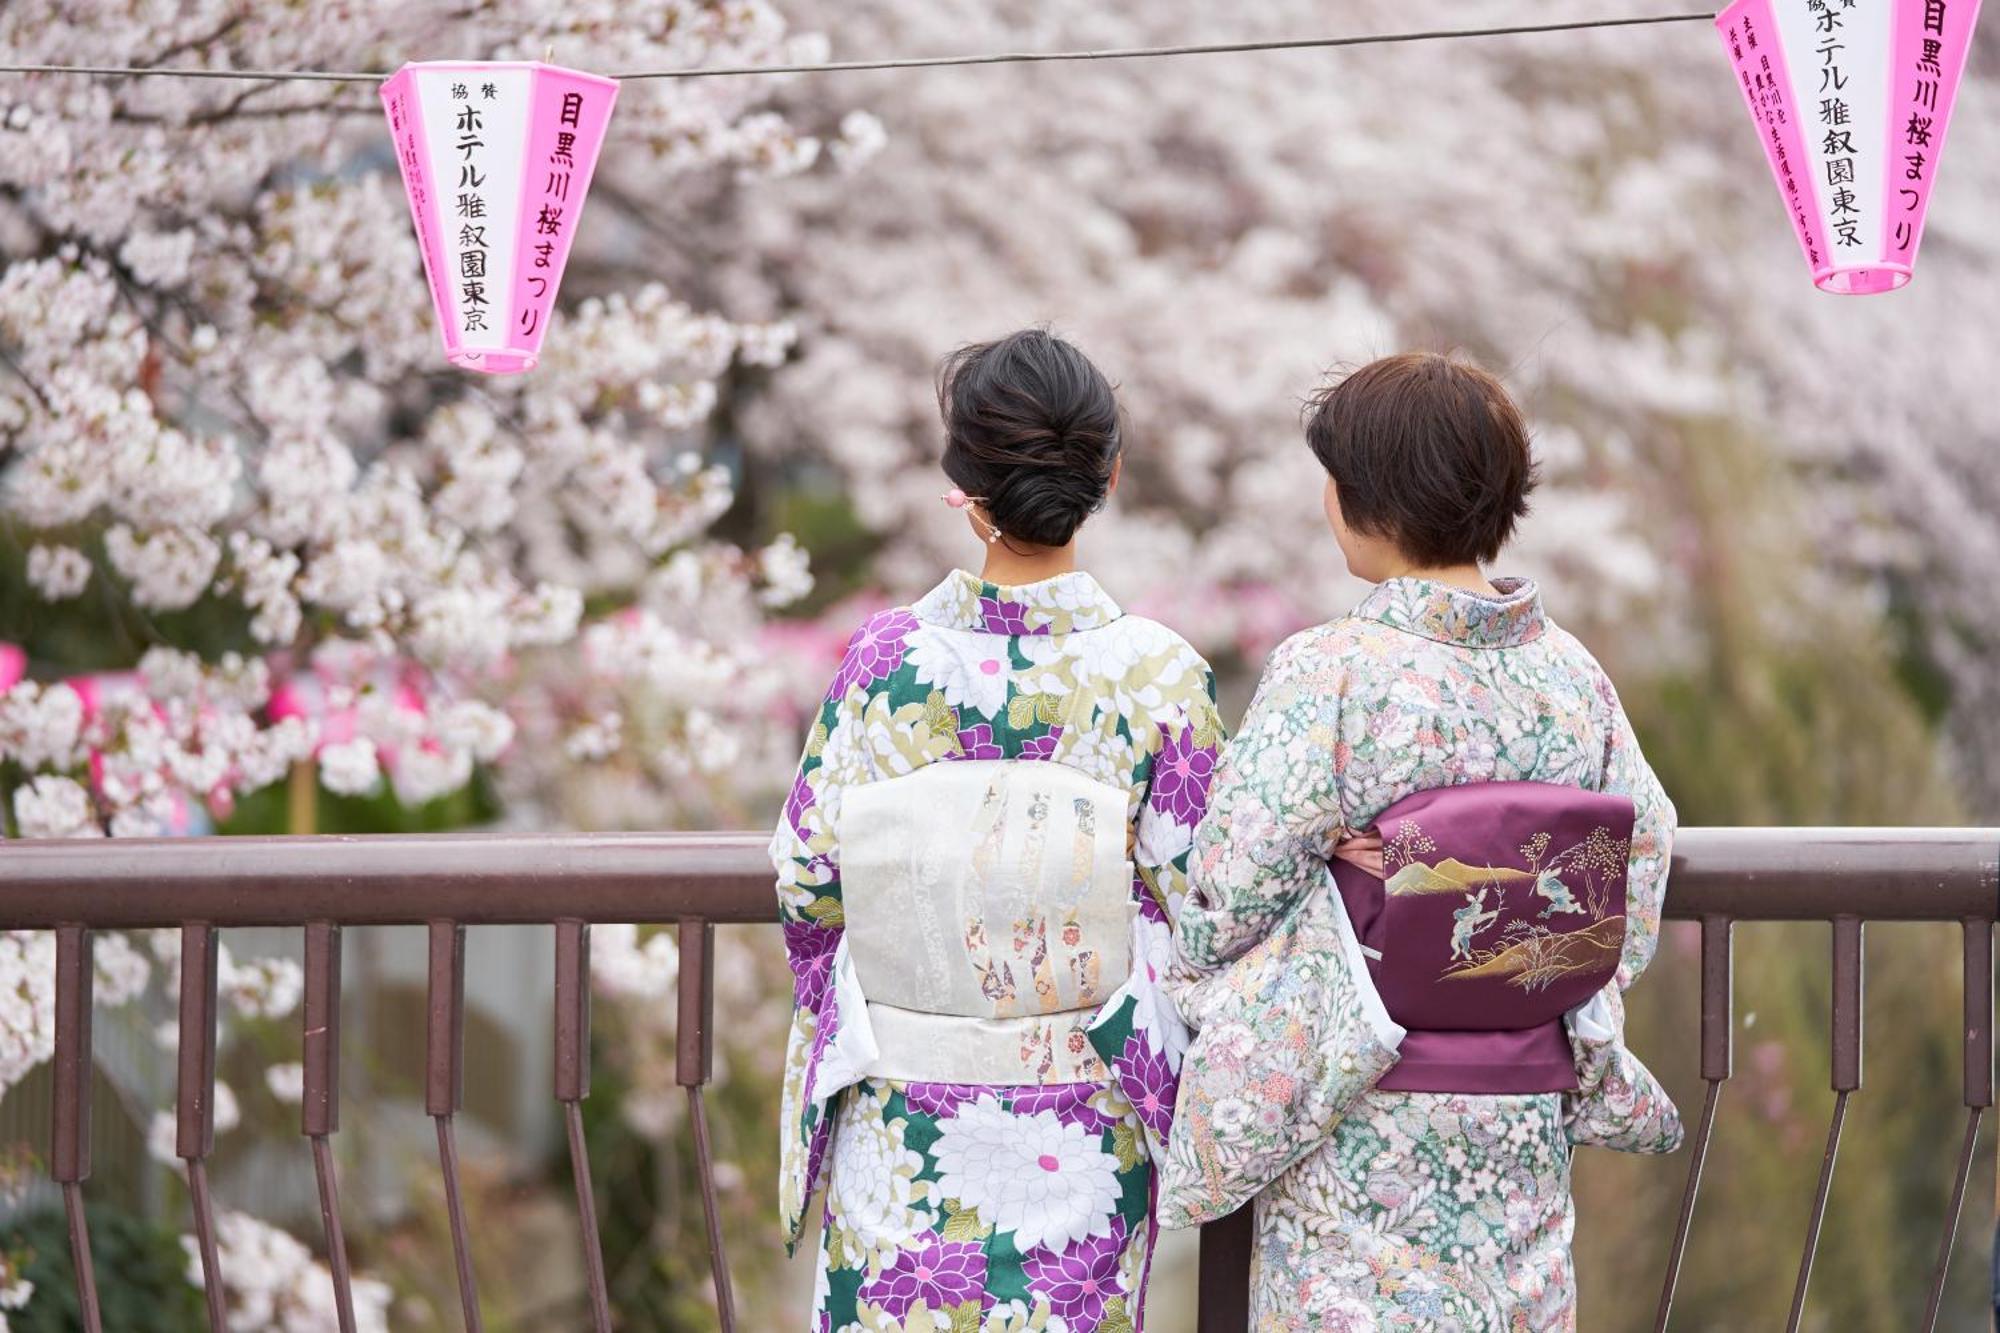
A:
[1426,1211]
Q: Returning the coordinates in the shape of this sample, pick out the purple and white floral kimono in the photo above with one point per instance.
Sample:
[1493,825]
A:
[978,869]
[1429,1209]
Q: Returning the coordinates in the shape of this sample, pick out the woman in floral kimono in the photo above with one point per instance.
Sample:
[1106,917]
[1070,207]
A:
[1425,1209]
[977,868]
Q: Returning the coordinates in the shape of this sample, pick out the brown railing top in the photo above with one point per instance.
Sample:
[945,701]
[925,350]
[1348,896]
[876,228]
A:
[1915,874]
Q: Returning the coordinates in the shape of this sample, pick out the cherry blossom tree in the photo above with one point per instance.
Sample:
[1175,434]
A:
[1587,213]
[221,386]
[225,418]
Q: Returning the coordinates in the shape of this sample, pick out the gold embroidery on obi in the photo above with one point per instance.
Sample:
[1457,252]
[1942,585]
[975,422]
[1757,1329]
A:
[991,829]
[1530,955]
[1031,928]
[1086,968]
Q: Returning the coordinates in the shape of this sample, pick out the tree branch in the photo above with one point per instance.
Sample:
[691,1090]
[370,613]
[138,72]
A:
[7,360]
[187,44]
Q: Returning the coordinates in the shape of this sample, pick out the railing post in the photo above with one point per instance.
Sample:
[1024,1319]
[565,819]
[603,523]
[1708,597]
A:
[1848,965]
[1979,1013]
[694,1041]
[572,1077]
[1222,1298]
[444,1092]
[694,1064]
[69,1131]
[319,1106]
[194,1135]
[1978,1076]
[1717,1058]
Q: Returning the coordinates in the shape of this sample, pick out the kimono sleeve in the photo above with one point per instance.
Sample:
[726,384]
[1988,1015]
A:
[1138,1033]
[1273,813]
[1174,802]
[1626,773]
[806,856]
[1618,1103]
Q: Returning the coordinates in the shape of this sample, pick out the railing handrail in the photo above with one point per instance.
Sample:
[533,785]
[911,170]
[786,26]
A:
[1720,876]
[1771,874]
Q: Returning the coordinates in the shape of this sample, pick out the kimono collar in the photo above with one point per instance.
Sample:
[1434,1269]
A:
[1066,602]
[1453,615]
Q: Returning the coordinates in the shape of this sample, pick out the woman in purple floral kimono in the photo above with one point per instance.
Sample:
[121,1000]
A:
[1419,1209]
[978,869]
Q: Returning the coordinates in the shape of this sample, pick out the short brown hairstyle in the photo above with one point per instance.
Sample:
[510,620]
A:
[1428,452]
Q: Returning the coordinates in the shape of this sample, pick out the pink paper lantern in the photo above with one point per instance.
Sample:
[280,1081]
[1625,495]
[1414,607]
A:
[323,697]
[1851,100]
[496,159]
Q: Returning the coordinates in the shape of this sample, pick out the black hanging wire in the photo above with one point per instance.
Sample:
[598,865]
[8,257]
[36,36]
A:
[916,62]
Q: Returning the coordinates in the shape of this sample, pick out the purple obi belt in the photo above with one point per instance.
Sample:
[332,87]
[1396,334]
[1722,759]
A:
[1502,909]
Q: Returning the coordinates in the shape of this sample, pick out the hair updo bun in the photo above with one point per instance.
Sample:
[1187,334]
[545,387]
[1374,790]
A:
[1031,426]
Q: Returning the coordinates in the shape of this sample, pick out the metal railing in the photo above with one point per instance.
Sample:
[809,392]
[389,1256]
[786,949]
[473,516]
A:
[1846,877]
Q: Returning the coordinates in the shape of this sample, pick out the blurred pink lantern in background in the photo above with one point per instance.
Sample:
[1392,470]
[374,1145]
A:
[122,773]
[339,684]
[1851,101]
[496,159]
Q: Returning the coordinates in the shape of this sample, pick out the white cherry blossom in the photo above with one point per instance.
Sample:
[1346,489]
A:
[349,767]
[58,573]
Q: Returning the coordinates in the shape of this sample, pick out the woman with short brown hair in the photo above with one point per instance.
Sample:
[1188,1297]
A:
[1406,1097]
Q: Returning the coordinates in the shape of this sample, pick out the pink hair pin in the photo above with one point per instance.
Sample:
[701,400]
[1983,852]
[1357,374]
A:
[958,499]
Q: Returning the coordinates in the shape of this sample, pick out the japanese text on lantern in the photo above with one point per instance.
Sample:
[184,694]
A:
[406,128]
[1836,121]
[1919,152]
[469,212]
[1765,89]
[554,211]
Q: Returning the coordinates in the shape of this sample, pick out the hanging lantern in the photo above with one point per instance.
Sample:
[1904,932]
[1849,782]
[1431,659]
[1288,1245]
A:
[496,159]
[1851,99]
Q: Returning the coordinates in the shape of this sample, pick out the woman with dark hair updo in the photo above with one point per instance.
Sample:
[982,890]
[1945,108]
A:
[978,869]
[1433,862]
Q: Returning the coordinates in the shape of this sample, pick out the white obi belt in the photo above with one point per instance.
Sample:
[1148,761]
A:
[989,918]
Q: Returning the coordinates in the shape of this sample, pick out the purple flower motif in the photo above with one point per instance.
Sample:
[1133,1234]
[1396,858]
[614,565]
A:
[998,617]
[1149,906]
[936,1274]
[875,651]
[941,1099]
[1181,773]
[978,743]
[1042,747]
[810,947]
[1070,1102]
[1149,1083]
[1079,1278]
[800,801]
